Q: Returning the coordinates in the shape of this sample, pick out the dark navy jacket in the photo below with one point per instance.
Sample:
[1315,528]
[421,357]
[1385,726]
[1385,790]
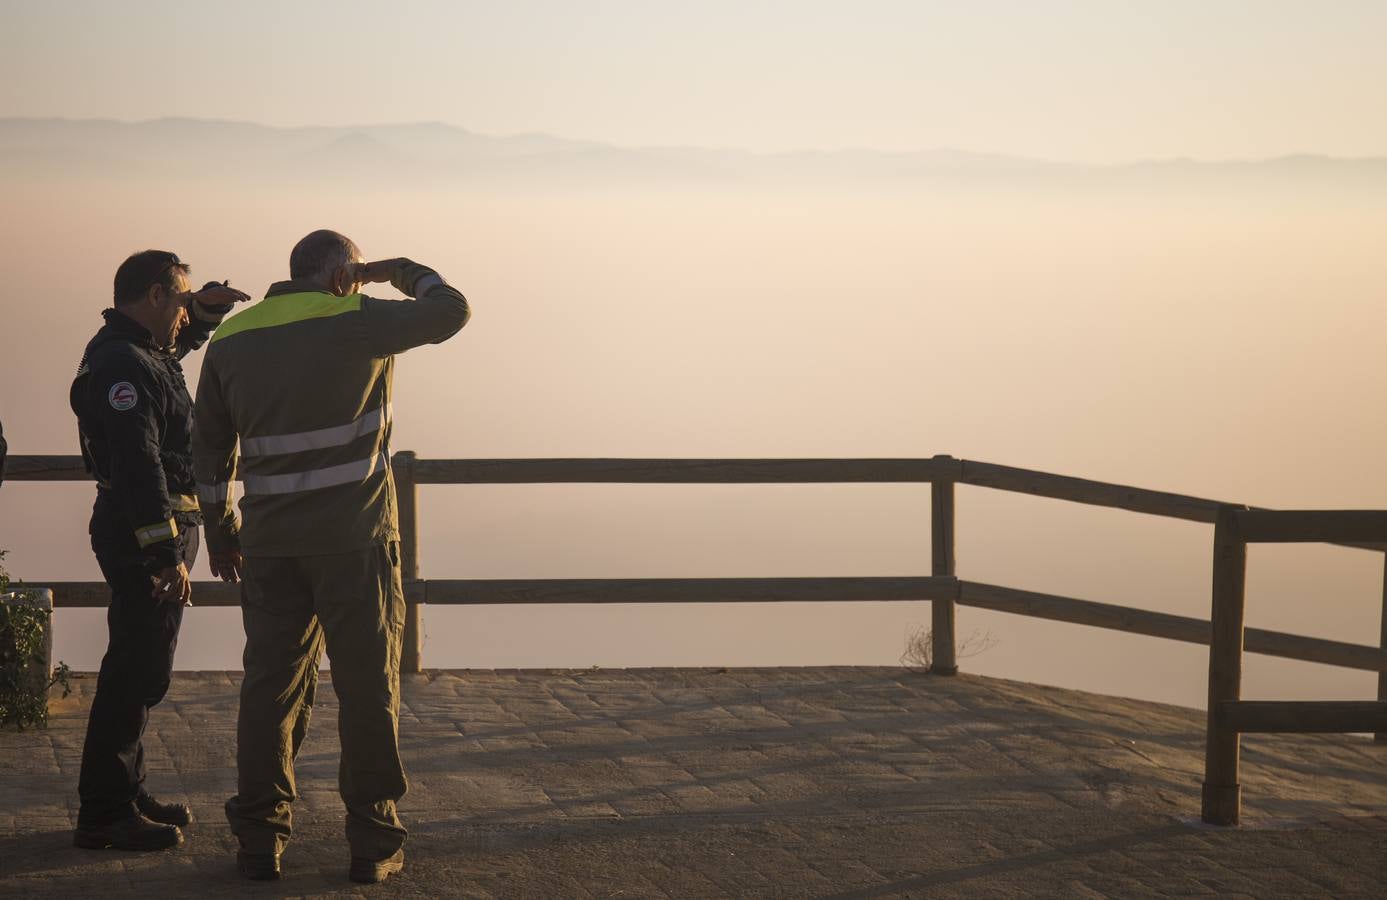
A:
[135,424]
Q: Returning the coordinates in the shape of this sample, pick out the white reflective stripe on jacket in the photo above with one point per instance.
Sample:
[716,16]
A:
[317,439]
[330,476]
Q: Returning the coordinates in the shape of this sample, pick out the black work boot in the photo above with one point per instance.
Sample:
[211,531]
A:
[166,813]
[132,833]
[371,871]
[258,866]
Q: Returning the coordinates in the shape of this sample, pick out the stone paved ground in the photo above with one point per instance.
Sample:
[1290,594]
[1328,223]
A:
[833,782]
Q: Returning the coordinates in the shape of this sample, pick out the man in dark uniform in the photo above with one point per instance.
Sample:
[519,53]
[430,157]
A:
[134,419]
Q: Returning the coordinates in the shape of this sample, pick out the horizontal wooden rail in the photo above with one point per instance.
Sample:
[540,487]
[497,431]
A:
[686,590]
[672,471]
[45,467]
[481,591]
[1092,493]
[97,594]
[1304,716]
[1312,526]
[1166,625]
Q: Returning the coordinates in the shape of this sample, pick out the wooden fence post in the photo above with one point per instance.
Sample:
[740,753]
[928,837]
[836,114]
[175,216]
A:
[1381,737]
[1222,799]
[407,492]
[942,612]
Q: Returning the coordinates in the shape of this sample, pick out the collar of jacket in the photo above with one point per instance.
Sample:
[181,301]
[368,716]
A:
[295,286]
[118,323]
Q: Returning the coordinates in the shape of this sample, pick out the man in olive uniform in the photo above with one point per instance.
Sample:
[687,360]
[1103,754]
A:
[302,381]
[135,422]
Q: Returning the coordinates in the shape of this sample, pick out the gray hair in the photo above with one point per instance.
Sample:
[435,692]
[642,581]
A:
[320,253]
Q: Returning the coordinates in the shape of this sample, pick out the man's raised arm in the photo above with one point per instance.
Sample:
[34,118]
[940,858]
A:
[437,312]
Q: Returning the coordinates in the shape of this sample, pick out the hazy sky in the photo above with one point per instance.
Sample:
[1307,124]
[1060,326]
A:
[1085,80]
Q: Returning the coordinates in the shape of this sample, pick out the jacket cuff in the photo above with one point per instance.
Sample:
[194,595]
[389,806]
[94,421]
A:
[155,532]
[163,555]
[412,279]
[210,313]
[221,537]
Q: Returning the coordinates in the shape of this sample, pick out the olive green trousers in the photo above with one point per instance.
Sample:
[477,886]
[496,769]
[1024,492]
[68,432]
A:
[291,606]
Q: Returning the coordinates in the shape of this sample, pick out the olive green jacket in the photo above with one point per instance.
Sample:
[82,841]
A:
[302,382]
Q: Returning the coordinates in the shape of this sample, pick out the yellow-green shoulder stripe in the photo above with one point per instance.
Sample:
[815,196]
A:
[285,309]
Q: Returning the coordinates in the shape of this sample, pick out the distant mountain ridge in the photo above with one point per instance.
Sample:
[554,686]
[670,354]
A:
[438,150]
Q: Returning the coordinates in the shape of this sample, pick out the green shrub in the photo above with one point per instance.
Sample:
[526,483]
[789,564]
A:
[24,684]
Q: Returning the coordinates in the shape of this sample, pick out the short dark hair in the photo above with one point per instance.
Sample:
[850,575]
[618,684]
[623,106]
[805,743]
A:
[319,253]
[143,270]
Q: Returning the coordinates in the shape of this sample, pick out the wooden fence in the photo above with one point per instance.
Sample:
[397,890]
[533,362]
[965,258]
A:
[1228,715]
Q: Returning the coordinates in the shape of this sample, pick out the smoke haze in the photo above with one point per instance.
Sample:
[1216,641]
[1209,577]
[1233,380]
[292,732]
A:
[1209,329]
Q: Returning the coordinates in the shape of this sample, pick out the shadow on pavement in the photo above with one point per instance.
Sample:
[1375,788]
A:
[1019,863]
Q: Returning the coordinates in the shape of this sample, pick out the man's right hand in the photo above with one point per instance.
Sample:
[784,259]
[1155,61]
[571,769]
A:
[220,295]
[379,272]
[226,565]
[172,585]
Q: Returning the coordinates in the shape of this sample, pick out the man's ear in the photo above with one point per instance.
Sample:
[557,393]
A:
[342,280]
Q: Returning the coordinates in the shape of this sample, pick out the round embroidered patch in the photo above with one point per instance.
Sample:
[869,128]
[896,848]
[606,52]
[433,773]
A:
[122,396]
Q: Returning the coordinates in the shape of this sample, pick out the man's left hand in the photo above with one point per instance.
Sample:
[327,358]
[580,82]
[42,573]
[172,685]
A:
[226,565]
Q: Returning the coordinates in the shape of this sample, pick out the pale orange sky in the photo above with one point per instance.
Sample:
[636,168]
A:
[1211,332]
[1085,80]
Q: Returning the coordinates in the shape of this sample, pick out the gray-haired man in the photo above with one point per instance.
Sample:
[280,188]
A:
[303,381]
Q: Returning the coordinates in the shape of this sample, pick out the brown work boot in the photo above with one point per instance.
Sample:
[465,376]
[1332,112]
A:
[372,871]
[132,833]
[164,813]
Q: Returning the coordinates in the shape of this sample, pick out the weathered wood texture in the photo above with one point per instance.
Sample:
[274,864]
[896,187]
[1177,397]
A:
[1093,493]
[97,594]
[1307,526]
[1165,625]
[45,467]
[943,612]
[1222,796]
[688,590]
[79,594]
[671,471]
[407,494]
[1305,716]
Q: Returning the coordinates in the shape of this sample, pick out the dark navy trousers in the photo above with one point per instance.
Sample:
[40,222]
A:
[135,675]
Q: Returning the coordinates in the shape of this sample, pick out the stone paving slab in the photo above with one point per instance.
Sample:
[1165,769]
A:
[788,782]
